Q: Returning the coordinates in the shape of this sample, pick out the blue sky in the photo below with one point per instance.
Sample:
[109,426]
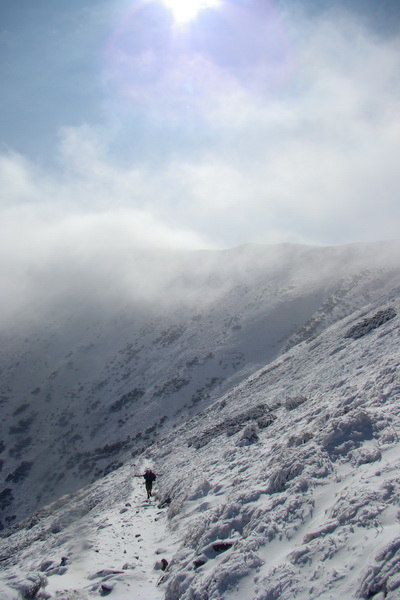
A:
[255,121]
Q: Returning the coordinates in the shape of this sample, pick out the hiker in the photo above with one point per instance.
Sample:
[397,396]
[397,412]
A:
[149,478]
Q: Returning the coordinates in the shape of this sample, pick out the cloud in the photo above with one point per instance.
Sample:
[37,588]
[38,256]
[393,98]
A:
[79,232]
[295,138]
[227,153]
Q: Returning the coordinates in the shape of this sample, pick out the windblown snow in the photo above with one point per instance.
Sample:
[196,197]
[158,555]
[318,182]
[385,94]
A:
[268,402]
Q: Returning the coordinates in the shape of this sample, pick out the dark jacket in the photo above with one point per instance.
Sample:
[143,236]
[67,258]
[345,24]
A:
[150,477]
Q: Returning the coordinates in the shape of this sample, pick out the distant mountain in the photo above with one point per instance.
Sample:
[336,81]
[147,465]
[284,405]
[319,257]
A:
[98,379]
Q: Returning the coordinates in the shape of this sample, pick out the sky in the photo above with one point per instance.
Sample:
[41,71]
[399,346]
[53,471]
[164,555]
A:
[198,124]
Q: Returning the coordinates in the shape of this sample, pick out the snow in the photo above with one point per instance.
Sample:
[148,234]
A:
[126,551]
[107,540]
[285,485]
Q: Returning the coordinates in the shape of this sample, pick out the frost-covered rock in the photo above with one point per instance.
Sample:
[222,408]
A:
[382,578]
[371,323]
[31,587]
[249,435]
[347,431]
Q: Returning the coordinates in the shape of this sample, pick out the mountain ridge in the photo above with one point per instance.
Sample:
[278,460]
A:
[286,486]
[86,389]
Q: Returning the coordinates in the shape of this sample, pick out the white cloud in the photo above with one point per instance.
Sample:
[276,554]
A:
[312,157]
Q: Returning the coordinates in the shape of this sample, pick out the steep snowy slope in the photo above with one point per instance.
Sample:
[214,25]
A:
[287,486]
[91,382]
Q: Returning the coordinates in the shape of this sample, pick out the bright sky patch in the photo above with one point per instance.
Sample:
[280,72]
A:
[187,10]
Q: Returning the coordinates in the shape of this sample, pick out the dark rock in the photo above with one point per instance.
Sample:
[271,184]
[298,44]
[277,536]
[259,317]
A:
[164,503]
[199,562]
[46,565]
[222,546]
[30,587]
[106,588]
[126,400]
[260,413]
[20,473]
[171,335]
[293,403]
[172,386]
[56,571]
[367,325]
[6,498]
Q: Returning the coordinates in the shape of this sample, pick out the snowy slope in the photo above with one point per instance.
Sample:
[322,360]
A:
[286,487]
[308,504]
[90,382]
[281,482]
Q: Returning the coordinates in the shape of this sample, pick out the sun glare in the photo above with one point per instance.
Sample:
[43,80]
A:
[187,10]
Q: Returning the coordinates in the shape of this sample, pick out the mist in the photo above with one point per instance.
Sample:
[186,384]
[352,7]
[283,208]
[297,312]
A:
[295,140]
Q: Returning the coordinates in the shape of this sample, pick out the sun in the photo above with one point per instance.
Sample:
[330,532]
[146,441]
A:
[187,10]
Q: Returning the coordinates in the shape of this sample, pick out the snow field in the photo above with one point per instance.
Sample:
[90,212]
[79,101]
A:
[308,507]
[286,487]
[115,548]
[128,541]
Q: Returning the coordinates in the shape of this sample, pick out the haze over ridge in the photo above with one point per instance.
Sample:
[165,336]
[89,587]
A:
[98,367]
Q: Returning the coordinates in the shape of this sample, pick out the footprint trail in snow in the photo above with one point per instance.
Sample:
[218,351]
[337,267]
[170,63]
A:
[120,552]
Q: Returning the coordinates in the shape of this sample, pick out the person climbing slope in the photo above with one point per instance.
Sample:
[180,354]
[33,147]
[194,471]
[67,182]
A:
[149,478]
